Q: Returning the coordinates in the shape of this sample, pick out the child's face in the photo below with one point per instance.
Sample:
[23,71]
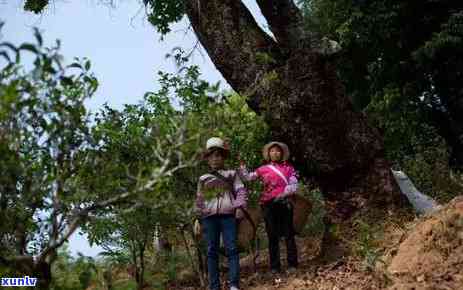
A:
[216,160]
[275,153]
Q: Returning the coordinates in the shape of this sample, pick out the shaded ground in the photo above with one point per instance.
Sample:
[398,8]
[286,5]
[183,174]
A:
[346,273]
[397,254]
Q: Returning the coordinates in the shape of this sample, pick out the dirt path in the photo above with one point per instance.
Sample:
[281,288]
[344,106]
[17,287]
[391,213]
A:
[424,254]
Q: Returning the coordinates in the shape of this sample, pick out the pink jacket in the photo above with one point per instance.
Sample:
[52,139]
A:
[224,202]
[274,184]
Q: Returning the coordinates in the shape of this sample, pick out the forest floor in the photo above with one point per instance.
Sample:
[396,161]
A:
[399,253]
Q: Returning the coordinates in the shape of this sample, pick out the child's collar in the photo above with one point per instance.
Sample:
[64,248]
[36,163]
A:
[278,162]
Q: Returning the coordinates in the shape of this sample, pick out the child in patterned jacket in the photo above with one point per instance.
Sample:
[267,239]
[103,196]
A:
[220,193]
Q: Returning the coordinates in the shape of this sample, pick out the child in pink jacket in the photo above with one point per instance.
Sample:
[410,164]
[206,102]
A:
[280,182]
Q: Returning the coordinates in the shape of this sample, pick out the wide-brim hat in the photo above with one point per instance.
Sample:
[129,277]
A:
[283,147]
[215,143]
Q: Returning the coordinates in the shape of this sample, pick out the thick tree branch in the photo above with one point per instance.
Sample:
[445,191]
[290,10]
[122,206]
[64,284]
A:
[233,40]
[285,21]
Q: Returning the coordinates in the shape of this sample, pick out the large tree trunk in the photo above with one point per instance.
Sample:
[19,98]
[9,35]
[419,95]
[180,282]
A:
[141,267]
[43,274]
[25,266]
[295,86]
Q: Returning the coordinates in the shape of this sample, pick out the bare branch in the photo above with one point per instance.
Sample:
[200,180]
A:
[55,244]
[166,151]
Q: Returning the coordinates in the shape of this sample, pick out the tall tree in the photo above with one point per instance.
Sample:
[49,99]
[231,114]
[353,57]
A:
[293,83]
[290,79]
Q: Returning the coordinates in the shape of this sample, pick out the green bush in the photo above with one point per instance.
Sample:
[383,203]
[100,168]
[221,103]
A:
[412,145]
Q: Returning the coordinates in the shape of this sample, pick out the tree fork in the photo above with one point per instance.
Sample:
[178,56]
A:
[302,100]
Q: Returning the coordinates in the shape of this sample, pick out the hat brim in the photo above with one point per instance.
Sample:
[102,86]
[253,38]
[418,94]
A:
[283,147]
[207,152]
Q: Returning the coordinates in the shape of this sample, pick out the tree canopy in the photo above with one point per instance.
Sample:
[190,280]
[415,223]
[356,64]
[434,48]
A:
[390,97]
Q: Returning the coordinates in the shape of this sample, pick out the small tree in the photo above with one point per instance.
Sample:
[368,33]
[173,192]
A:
[47,148]
[129,233]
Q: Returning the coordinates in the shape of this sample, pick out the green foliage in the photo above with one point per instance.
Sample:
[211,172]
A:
[62,172]
[126,236]
[365,245]
[169,268]
[124,285]
[315,226]
[209,113]
[412,49]
[413,145]
[36,6]
[43,128]
[73,273]
[401,64]
[379,40]
[162,13]
[175,262]
[400,124]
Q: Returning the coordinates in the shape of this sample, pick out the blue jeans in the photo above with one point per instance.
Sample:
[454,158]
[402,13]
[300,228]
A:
[213,226]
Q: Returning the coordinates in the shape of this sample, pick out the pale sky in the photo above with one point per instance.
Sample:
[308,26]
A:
[125,50]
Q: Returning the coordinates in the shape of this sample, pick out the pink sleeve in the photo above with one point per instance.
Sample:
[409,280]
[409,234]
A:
[291,188]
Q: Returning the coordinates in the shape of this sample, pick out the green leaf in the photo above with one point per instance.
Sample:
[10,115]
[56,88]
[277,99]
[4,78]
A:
[5,55]
[38,36]
[10,46]
[29,47]
[87,65]
[75,64]
[67,81]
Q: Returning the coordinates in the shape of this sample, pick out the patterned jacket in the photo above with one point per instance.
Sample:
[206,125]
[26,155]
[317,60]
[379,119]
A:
[216,196]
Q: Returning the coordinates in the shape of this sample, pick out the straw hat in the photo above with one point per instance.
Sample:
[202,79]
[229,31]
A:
[282,146]
[216,143]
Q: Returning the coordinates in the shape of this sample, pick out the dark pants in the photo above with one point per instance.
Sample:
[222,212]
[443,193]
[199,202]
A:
[213,227]
[278,218]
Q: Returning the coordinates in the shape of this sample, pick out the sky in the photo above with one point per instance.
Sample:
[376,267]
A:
[125,50]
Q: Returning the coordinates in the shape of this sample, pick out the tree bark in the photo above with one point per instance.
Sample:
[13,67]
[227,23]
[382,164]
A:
[285,22]
[141,258]
[297,90]
[25,266]
[42,271]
